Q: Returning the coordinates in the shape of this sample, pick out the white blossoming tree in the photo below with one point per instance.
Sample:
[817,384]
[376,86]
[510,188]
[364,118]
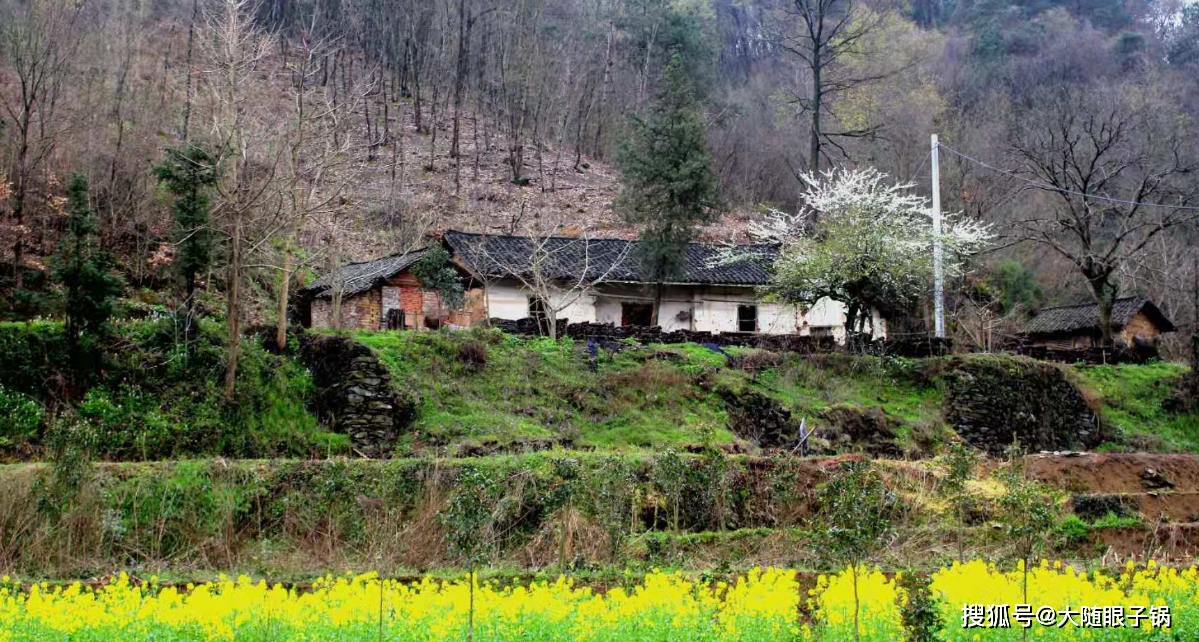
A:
[865,242]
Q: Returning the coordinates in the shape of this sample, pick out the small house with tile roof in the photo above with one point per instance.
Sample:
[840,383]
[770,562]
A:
[705,293]
[1136,321]
[383,294]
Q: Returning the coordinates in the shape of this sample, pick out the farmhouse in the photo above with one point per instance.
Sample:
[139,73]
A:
[592,280]
[1135,321]
[383,294]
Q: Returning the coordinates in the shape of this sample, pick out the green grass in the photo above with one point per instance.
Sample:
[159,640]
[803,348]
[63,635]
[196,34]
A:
[639,398]
[1130,398]
[814,384]
[536,389]
[661,396]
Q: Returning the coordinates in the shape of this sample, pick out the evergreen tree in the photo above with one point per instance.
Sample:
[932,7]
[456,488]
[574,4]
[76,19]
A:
[188,174]
[670,189]
[85,273]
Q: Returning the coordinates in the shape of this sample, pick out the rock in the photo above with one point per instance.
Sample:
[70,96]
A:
[1153,480]
[870,430]
[760,419]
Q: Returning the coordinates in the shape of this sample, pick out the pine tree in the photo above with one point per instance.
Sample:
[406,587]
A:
[91,287]
[670,189]
[188,174]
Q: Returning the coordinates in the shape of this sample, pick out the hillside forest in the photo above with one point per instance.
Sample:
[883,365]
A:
[229,150]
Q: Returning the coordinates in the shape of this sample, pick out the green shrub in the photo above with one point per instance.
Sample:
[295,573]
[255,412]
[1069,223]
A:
[1112,520]
[33,358]
[21,418]
[1072,531]
[161,398]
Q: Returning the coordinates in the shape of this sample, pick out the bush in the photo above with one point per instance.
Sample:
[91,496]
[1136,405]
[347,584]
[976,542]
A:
[20,418]
[1072,531]
[161,398]
[1111,520]
[33,358]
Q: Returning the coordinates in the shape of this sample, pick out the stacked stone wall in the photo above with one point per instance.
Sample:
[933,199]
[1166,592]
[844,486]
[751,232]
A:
[355,394]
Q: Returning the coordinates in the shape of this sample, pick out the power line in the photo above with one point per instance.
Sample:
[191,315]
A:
[916,174]
[1053,188]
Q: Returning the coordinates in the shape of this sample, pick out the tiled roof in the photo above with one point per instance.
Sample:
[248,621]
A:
[362,276]
[613,259]
[1069,319]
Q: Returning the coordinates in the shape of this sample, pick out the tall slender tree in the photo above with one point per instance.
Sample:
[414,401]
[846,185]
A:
[820,34]
[189,174]
[91,287]
[39,41]
[669,188]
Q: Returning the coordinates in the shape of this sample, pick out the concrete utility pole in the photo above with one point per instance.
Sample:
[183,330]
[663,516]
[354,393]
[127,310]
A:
[938,251]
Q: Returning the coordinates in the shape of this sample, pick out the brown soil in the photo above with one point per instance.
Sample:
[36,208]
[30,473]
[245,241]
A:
[1114,473]
[1164,542]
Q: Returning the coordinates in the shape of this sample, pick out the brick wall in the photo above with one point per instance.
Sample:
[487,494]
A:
[363,311]
[411,299]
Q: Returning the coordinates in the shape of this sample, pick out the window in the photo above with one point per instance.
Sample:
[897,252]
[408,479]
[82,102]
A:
[636,314]
[747,318]
[822,331]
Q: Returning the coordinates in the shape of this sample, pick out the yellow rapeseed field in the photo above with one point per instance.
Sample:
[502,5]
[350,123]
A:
[974,602]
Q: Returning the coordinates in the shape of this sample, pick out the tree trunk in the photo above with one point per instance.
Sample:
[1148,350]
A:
[598,149]
[20,189]
[187,97]
[470,623]
[284,287]
[1195,333]
[1105,299]
[851,319]
[857,608]
[233,306]
[817,100]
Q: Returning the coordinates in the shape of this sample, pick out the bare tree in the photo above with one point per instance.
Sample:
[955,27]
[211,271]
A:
[321,161]
[820,33]
[517,56]
[248,153]
[1116,173]
[39,41]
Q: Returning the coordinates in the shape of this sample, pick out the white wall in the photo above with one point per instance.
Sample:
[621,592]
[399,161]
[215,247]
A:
[510,300]
[707,308]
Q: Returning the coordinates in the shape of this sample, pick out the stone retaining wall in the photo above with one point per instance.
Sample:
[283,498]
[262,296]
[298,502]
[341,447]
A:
[992,400]
[354,393]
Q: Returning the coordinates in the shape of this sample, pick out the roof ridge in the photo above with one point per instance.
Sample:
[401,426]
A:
[524,237]
[578,238]
[1092,303]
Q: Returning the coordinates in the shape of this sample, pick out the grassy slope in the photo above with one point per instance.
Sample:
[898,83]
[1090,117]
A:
[1131,399]
[644,398]
[154,404]
[666,396]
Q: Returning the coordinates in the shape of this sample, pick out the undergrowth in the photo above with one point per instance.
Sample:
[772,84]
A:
[157,399]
